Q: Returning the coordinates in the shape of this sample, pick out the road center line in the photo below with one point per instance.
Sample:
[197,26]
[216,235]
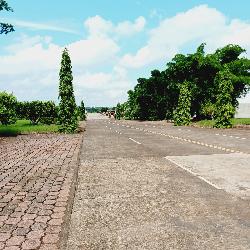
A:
[134,140]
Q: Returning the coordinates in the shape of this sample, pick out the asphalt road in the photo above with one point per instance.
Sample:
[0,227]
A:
[149,185]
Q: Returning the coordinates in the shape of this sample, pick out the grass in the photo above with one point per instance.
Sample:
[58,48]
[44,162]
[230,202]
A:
[210,123]
[25,127]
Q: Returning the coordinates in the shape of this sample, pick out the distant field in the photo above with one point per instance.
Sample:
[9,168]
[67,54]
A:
[210,123]
[24,127]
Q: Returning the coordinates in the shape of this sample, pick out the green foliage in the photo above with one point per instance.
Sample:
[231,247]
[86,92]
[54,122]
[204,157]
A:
[5,28]
[224,107]
[156,98]
[44,112]
[182,113]
[7,108]
[82,111]
[234,121]
[208,109]
[67,114]
[24,127]
[49,114]
[118,111]
[104,109]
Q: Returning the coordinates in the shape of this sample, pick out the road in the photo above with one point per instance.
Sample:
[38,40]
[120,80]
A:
[149,185]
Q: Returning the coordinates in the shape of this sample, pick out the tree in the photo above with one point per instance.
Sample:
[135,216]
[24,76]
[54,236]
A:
[5,28]
[182,114]
[82,111]
[67,115]
[118,111]
[224,109]
[7,108]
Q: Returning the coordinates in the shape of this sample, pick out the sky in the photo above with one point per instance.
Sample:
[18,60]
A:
[111,43]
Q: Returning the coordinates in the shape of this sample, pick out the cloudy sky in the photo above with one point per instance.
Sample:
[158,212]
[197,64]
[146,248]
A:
[111,43]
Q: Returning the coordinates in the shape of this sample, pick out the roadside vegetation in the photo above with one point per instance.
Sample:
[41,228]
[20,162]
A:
[215,83]
[211,123]
[43,116]
[26,127]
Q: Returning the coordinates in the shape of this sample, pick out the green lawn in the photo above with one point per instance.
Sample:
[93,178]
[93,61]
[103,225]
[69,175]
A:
[24,127]
[210,123]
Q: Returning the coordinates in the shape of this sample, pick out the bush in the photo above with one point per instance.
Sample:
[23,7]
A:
[49,113]
[7,108]
[44,112]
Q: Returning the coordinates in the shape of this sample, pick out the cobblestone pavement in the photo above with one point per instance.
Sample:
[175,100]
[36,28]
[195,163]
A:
[37,175]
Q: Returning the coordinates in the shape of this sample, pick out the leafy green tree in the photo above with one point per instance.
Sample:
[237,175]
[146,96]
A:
[7,108]
[34,111]
[5,28]
[118,111]
[82,111]
[182,114]
[224,109]
[49,114]
[67,107]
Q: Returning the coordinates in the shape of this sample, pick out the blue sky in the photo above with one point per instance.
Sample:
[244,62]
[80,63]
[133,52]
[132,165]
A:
[111,43]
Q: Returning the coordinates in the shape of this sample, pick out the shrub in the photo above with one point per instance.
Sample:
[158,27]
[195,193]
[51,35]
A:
[7,108]
[49,113]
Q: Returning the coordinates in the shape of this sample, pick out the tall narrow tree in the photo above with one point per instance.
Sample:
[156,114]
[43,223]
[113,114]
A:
[82,111]
[67,106]
[182,114]
[224,108]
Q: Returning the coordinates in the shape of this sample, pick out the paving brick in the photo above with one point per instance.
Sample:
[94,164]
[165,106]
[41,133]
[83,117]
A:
[35,234]
[55,222]
[35,179]
[51,238]
[15,241]
[49,247]
[12,248]
[4,236]
[31,244]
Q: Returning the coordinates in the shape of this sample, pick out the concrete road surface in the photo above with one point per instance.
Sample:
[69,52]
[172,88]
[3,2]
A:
[149,185]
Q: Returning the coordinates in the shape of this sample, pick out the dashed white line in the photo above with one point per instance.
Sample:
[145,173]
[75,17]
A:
[134,141]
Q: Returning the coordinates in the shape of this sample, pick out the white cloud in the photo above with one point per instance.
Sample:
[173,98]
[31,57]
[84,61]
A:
[99,27]
[39,26]
[128,28]
[103,71]
[197,25]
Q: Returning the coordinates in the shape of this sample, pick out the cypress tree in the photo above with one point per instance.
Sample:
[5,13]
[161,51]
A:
[224,109]
[182,113]
[82,111]
[67,107]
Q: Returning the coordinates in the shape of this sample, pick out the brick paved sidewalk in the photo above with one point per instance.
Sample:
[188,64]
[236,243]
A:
[37,175]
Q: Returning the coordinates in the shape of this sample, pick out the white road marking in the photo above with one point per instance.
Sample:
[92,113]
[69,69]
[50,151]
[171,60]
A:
[134,141]
[195,142]
[194,174]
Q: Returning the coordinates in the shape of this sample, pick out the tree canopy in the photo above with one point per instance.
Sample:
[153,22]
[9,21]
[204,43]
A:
[156,97]
[5,28]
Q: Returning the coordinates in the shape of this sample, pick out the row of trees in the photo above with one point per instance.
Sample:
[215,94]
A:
[44,112]
[66,114]
[198,85]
